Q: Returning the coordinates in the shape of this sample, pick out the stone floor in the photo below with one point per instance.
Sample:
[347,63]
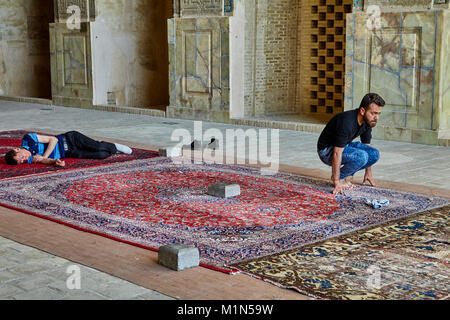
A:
[30,274]
[27,273]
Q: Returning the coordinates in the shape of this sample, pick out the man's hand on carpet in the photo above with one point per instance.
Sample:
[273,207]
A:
[42,160]
[338,188]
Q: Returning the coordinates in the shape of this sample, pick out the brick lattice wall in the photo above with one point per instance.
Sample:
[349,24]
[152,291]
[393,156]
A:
[322,68]
[295,56]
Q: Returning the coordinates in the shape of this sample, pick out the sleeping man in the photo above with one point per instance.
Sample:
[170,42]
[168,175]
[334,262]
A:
[51,150]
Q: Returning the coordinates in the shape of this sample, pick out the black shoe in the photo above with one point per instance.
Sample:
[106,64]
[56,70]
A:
[214,144]
[195,145]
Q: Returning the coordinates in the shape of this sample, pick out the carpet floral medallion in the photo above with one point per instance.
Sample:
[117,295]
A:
[12,139]
[404,260]
[154,202]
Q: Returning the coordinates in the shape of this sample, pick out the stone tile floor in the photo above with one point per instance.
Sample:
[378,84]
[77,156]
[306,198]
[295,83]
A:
[30,274]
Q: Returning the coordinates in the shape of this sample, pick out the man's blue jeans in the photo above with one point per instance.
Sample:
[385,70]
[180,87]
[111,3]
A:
[355,157]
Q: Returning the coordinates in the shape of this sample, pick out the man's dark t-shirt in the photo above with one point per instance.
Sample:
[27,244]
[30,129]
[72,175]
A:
[342,129]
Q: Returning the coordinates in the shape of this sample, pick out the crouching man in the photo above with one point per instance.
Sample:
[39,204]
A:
[337,149]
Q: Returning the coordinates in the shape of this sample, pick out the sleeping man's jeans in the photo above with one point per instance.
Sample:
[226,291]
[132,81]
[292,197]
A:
[355,157]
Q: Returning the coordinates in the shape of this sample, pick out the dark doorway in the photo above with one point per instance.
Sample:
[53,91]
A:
[40,15]
[25,49]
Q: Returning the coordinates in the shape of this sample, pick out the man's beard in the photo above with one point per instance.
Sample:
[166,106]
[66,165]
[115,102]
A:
[371,124]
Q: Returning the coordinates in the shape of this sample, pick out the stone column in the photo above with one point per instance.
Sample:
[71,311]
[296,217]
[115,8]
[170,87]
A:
[399,49]
[70,49]
[200,57]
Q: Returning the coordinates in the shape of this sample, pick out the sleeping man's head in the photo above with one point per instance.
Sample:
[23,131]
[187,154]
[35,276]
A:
[17,156]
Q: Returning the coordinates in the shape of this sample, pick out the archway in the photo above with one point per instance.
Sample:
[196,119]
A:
[297,55]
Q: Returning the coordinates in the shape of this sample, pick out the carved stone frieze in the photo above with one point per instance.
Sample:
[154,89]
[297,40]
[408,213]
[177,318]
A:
[203,7]
[64,9]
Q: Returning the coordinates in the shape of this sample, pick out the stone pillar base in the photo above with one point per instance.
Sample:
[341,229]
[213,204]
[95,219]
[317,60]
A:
[201,115]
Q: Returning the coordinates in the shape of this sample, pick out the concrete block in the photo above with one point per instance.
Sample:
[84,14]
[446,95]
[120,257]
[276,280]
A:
[178,257]
[224,190]
[170,152]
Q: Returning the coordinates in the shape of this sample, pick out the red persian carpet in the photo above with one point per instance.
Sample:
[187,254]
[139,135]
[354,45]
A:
[12,139]
[154,202]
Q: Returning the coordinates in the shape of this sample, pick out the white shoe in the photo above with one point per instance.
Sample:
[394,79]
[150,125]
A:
[123,149]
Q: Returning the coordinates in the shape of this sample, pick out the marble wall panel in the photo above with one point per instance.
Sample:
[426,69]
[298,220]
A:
[71,65]
[427,106]
[399,62]
[349,60]
[426,23]
[75,71]
[411,44]
[197,62]
[446,71]
[444,88]
[200,63]
[385,46]
[397,134]
[173,83]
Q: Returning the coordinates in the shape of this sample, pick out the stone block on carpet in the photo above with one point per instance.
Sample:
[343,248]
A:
[224,190]
[178,257]
[170,152]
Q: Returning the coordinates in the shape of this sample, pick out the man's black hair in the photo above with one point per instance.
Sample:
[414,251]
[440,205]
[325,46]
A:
[9,158]
[372,98]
